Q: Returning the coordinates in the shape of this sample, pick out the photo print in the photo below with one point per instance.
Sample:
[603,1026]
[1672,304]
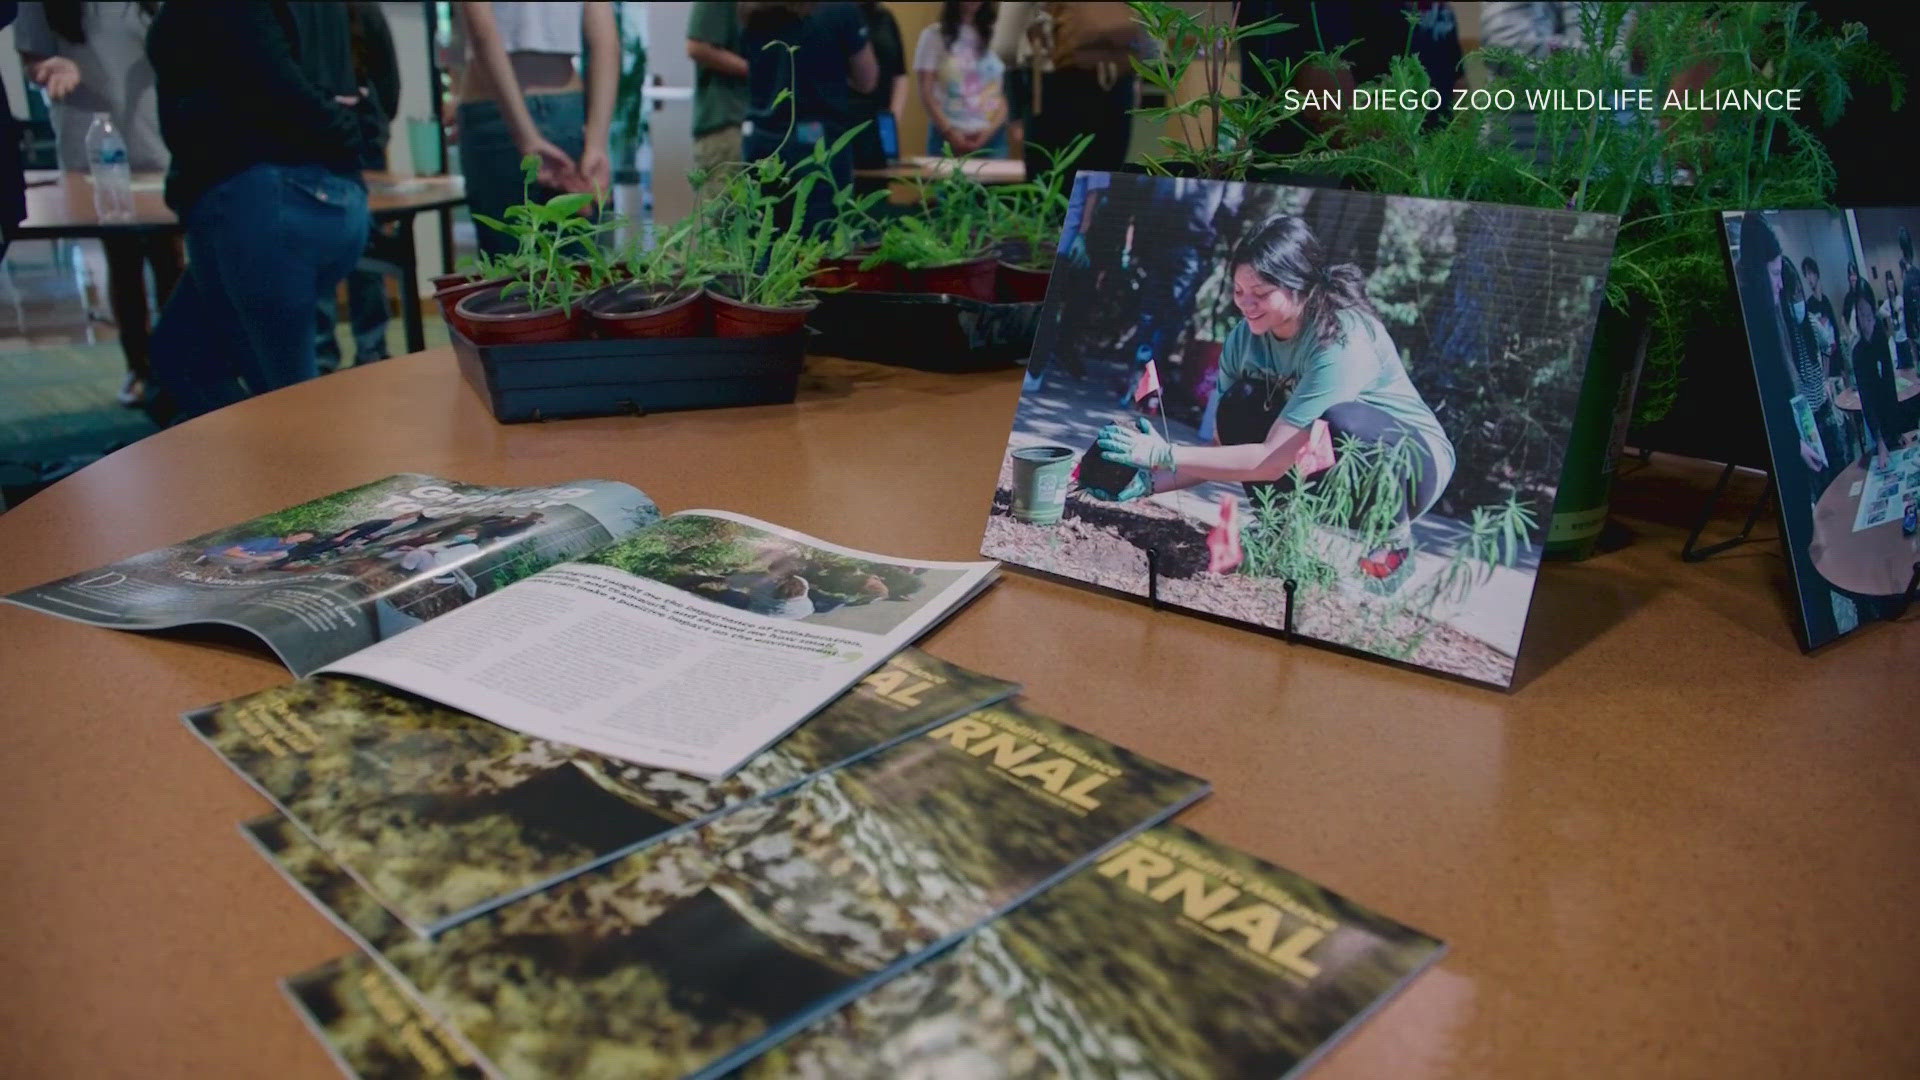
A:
[1827,298]
[1367,396]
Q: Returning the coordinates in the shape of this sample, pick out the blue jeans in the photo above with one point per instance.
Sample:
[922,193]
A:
[262,246]
[996,147]
[491,162]
[366,311]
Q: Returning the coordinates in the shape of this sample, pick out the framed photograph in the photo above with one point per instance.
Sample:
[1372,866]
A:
[1828,298]
[1360,401]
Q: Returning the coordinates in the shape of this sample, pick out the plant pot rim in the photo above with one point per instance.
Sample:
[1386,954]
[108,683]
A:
[671,299]
[974,261]
[500,317]
[471,284]
[1043,271]
[804,305]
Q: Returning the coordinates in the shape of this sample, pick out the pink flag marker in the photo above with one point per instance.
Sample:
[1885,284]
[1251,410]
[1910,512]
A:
[1223,540]
[1149,383]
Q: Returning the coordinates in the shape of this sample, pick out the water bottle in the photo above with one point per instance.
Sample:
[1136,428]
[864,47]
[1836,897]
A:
[107,166]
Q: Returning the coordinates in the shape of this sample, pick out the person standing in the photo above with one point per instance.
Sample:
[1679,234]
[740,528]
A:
[887,101]
[268,144]
[1077,79]
[521,93]
[91,58]
[962,81]
[806,61]
[719,83]
[377,68]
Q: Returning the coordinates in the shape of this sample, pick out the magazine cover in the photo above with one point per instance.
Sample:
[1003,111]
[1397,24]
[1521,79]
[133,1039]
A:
[1827,297]
[1368,396]
[369,1026]
[442,815]
[327,578]
[694,955]
[1171,957]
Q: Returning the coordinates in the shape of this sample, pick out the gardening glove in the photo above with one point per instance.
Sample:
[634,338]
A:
[1076,253]
[1138,446]
[1139,487]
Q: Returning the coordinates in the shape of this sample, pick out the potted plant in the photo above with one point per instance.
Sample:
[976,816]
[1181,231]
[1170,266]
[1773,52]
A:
[936,256]
[540,301]
[1026,220]
[850,242]
[654,292]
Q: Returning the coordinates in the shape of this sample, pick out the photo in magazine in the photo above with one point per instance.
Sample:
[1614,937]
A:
[693,955]
[1171,958]
[326,578]
[1368,396]
[1827,297]
[371,1029]
[442,815]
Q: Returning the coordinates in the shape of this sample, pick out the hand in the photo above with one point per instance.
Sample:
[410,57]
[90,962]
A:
[1812,456]
[57,75]
[450,117]
[596,171]
[1137,446]
[557,170]
[1137,488]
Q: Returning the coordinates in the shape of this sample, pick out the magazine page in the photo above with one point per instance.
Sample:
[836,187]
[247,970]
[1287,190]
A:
[371,1028]
[696,954]
[442,815]
[691,645]
[1172,957]
[327,578]
[1345,406]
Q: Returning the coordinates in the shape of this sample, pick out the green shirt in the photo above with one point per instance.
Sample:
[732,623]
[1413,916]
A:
[1363,367]
[719,101]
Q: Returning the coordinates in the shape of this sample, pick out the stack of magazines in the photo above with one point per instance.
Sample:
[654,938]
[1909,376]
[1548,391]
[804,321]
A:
[601,793]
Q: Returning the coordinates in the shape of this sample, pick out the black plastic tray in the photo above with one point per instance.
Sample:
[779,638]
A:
[631,376]
[927,331]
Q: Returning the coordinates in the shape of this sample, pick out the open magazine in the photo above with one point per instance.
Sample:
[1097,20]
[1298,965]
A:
[371,1029]
[330,577]
[442,815]
[696,954]
[689,642]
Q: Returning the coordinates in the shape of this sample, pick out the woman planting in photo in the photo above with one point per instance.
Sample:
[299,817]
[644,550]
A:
[1311,350]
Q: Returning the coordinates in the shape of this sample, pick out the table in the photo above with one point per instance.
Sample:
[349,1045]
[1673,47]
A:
[60,205]
[1906,386]
[1680,849]
[1872,562]
[901,175]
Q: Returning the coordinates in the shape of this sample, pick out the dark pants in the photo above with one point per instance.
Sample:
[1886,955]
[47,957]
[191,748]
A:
[490,162]
[1072,104]
[1250,406]
[366,312]
[262,247]
[127,260]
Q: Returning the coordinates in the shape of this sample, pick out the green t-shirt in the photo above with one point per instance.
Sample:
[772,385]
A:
[719,101]
[1364,367]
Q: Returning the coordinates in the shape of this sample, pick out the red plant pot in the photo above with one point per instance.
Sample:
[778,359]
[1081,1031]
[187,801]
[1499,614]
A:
[633,310]
[450,296]
[1021,285]
[447,281]
[494,319]
[845,273]
[731,318]
[974,279]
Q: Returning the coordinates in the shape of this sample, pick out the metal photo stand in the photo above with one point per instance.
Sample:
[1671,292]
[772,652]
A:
[1689,552]
[1287,586]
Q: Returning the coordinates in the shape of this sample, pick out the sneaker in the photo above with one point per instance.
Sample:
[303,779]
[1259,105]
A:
[132,392]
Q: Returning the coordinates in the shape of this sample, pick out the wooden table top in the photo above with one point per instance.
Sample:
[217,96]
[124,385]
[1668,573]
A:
[61,203]
[1877,561]
[1679,849]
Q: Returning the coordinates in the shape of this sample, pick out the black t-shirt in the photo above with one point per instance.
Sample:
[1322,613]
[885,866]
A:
[824,43]
[241,83]
[883,31]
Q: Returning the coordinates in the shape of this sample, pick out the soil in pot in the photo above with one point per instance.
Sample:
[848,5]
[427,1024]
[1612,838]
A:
[1023,284]
[489,318]
[634,310]
[731,318]
[974,279]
